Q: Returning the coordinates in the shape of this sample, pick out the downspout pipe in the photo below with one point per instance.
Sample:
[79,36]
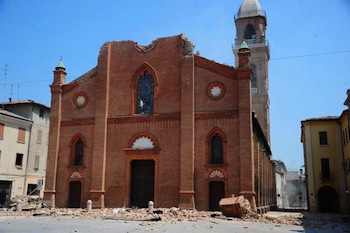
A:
[345,175]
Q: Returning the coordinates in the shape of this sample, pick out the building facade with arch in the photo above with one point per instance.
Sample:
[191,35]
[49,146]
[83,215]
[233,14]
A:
[326,144]
[156,123]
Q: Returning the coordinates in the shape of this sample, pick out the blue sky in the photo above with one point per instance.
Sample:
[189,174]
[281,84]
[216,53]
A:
[309,69]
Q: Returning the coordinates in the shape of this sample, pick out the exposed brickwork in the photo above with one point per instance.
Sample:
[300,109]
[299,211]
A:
[184,118]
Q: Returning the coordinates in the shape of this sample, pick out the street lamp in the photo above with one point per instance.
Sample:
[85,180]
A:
[300,181]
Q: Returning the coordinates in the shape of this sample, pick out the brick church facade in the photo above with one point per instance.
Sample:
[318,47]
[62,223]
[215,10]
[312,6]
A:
[157,123]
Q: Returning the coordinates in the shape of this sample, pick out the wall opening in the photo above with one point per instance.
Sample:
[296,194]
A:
[142,183]
[216,192]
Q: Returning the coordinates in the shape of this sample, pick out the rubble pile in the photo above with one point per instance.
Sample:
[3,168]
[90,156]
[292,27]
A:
[284,219]
[26,203]
[175,215]
[128,214]
[325,220]
[235,206]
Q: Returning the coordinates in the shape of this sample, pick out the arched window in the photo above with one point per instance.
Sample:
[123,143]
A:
[216,150]
[79,153]
[145,94]
[249,32]
[216,147]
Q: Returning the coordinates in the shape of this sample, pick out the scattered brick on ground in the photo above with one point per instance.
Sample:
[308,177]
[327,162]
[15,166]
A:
[306,219]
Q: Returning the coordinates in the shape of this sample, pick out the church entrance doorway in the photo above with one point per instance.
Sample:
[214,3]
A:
[216,192]
[74,194]
[142,183]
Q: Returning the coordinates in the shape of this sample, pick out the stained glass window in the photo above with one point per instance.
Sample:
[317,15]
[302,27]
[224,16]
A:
[216,149]
[145,94]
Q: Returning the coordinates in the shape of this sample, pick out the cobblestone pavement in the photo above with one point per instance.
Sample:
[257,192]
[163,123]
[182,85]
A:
[164,220]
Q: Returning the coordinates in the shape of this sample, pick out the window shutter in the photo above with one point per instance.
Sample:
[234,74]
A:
[39,136]
[2,127]
[21,135]
[36,163]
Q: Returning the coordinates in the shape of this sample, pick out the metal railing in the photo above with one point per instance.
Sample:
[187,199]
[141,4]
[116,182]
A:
[251,42]
[327,178]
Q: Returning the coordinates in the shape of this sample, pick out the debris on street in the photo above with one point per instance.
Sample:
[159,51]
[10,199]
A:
[235,206]
[175,214]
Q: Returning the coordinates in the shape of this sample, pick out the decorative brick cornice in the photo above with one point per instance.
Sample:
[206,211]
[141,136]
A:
[70,86]
[145,48]
[216,115]
[130,151]
[144,118]
[56,89]
[152,118]
[224,70]
[75,122]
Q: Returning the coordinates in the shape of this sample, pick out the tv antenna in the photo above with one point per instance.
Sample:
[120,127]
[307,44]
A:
[5,75]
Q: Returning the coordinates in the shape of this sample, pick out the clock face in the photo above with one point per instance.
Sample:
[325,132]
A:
[216,90]
[80,100]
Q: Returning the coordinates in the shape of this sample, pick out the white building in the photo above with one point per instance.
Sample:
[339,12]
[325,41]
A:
[39,114]
[281,185]
[296,189]
[14,146]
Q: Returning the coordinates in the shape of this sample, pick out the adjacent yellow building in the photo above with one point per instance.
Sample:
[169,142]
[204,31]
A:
[345,122]
[326,143]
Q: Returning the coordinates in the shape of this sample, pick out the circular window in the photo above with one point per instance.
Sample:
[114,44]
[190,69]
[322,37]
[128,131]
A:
[80,100]
[216,90]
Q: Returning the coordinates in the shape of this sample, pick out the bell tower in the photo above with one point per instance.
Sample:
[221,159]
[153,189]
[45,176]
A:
[251,27]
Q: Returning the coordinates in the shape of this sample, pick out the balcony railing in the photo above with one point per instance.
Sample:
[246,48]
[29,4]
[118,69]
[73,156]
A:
[327,178]
[252,42]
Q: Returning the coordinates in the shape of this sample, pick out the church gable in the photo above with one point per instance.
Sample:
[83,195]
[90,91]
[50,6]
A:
[78,81]
[125,66]
[212,66]
[216,86]
[78,99]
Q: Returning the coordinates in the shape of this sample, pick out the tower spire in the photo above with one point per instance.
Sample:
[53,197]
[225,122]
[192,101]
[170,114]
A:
[60,64]
[59,74]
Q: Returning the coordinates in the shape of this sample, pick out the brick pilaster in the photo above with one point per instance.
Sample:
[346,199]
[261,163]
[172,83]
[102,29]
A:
[54,136]
[186,194]
[97,188]
[246,137]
